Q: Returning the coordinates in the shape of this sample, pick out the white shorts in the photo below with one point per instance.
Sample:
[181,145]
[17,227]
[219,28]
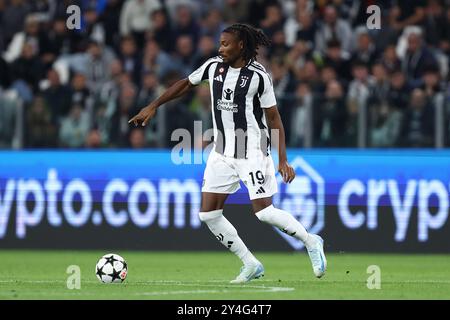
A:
[222,175]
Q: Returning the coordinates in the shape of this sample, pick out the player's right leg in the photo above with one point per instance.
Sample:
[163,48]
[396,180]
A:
[226,233]
[220,180]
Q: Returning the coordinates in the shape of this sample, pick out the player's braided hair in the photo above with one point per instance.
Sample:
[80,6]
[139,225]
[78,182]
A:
[251,37]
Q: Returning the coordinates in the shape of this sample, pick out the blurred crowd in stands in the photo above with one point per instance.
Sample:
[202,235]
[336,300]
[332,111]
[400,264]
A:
[78,88]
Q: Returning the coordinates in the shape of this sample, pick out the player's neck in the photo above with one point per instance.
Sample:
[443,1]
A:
[238,63]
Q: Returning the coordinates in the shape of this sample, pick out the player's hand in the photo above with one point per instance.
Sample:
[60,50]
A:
[286,171]
[144,116]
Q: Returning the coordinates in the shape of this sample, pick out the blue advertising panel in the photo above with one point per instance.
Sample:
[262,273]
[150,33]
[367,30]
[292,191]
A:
[387,199]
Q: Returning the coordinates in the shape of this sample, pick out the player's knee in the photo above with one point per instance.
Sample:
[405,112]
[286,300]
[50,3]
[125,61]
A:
[261,204]
[212,201]
[210,215]
[266,214]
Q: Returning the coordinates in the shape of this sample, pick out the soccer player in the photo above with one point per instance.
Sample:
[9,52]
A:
[244,108]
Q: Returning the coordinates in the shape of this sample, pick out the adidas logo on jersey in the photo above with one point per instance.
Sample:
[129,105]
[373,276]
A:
[219,78]
[260,190]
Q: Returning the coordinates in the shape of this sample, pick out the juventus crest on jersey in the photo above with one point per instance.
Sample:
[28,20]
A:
[238,98]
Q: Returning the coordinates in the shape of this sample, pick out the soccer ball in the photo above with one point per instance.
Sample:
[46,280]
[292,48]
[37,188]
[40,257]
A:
[111,268]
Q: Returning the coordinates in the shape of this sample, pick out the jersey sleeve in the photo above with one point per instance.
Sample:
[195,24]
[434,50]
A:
[268,96]
[201,73]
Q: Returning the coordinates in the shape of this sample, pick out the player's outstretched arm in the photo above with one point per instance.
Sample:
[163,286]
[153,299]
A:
[178,89]
[275,123]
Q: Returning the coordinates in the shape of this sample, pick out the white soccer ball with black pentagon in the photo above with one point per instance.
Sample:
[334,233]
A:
[111,268]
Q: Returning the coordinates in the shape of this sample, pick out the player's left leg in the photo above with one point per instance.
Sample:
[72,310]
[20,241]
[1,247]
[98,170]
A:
[266,212]
[258,173]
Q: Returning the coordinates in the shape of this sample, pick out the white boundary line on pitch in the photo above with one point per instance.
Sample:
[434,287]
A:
[230,288]
[199,282]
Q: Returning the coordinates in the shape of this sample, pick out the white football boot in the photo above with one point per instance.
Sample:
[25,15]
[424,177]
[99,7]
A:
[248,273]
[317,256]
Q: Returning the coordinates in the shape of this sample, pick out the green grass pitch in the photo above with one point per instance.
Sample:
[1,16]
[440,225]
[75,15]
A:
[42,274]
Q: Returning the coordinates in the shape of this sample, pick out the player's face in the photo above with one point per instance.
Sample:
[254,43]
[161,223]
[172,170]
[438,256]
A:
[230,47]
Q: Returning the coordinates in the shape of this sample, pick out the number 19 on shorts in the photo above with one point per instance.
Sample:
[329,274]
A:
[259,177]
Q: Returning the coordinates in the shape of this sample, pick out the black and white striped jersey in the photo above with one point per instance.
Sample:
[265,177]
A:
[238,98]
